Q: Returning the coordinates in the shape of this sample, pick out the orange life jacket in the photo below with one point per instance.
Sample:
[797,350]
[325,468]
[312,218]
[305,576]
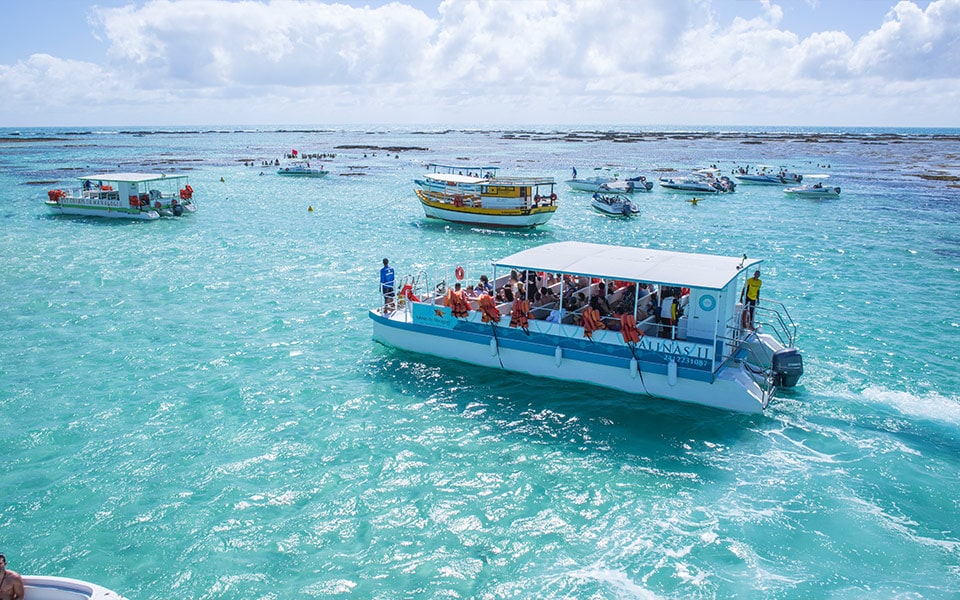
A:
[520,313]
[459,307]
[407,292]
[628,329]
[488,308]
[591,322]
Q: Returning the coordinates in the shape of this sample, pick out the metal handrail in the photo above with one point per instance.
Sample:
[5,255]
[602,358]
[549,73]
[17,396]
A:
[785,330]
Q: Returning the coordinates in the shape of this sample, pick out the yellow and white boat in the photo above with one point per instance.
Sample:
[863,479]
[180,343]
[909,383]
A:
[463,195]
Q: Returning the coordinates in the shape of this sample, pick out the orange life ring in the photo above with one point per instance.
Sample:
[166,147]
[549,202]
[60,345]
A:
[459,273]
[157,205]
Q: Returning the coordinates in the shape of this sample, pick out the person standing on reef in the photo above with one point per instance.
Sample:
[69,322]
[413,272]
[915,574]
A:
[11,584]
[752,295]
[386,285]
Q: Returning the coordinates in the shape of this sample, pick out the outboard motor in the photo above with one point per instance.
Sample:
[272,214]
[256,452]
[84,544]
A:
[787,367]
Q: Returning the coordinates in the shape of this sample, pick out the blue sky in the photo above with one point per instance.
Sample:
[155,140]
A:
[481,62]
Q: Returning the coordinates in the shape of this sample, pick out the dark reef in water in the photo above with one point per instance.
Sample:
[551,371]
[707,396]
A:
[381,148]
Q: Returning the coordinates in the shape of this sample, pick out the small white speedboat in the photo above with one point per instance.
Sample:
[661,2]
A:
[701,181]
[614,205]
[767,175]
[817,190]
[40,587]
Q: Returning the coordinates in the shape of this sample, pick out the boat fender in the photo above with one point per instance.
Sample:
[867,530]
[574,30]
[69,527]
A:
[672,372]
[558,356]
[459,273]
[493,346]
[634,368]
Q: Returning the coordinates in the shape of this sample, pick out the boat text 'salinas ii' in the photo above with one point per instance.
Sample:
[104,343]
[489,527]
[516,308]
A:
[649,322]
[143,196]
[478,196]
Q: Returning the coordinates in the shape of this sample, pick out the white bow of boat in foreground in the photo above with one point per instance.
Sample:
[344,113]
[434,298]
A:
[665,324]
[38,587]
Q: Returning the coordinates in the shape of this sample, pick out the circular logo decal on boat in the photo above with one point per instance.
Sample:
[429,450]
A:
[708,302]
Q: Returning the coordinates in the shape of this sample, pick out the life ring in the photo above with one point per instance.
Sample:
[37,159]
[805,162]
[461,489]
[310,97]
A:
[536,198]
[553,197]
[459,273]
[158,206]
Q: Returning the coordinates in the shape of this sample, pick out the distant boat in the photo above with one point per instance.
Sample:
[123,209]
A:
[701,181]
[767,175]
[817,190]
[143,196]
[301,168]
[615,205]
[611,184]
[480,197]
[38,587]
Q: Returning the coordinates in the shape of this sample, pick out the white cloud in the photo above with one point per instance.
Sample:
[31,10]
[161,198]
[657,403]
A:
[912,43]
[646,61]
[301,44]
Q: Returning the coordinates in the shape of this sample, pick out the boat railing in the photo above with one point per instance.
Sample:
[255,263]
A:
[777,321]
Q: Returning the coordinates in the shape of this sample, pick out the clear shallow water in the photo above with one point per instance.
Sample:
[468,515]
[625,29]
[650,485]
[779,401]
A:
[194,408]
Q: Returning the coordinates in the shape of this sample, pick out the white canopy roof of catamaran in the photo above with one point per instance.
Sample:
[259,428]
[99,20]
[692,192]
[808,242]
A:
[680,269]
[130,177]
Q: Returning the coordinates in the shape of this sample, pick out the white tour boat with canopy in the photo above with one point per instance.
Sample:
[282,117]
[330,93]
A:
[478,196]
[301,168]
[144,196]
[706,351]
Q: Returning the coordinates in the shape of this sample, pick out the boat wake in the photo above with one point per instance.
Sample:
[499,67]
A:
[933,406]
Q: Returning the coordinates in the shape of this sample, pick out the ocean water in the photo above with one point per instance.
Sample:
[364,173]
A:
[194,408]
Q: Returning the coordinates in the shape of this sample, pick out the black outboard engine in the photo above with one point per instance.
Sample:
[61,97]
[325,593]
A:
[787,367]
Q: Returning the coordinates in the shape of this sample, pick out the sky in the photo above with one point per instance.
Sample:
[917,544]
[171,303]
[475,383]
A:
[480,63]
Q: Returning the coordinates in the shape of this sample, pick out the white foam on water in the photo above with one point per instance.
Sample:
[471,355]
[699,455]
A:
[619,582]
[934,405]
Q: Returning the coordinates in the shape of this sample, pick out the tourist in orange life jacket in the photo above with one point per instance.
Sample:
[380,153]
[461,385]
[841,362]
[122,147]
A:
[457,301]
[520,313]
[488,308]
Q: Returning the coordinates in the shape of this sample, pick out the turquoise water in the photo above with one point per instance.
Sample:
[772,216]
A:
[193,408]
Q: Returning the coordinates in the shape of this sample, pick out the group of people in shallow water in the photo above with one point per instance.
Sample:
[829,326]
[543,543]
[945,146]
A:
[591,303]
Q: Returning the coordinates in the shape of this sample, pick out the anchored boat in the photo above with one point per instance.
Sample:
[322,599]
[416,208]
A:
[615,205]
[144,196]
[301,168]
[767,175]
[817,190]
[611,184]
[477,196]
[701,181]
[704,351]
